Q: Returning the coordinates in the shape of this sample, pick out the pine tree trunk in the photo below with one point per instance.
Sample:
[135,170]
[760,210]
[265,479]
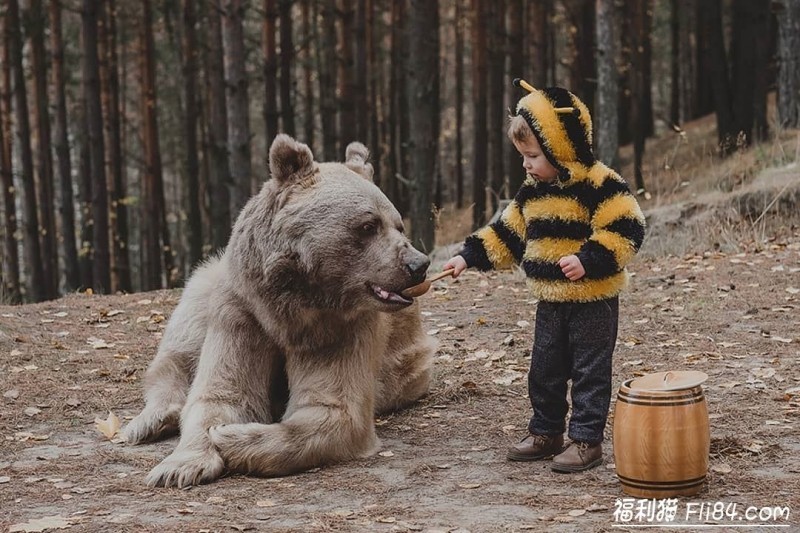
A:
[309,38]
[538,38]
[220,179]
[605,122]
[326,55]
[514,12]
[460,29]
[346,76]
[101,271]
[374,94]
[33,252]
[726,121]
[362,105]
[287,57]
[271,114]
[638,90]
[675,64]
[422,77]
[497,115]
[789,57]
[749,62]
[152,181]
[190,72]
[86,239]
[117,181]
[37,21]
[237,102]
[479,160]
[10,289]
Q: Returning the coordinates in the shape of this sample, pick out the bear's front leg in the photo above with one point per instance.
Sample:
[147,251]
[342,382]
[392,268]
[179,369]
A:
[328,420]
[231,386]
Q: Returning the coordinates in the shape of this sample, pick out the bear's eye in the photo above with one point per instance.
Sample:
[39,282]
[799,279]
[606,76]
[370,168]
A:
[369,228]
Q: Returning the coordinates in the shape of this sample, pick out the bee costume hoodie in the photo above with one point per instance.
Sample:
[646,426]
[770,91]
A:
[587,211]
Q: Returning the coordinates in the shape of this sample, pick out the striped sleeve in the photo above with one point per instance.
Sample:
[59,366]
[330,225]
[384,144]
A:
[498,245]
[617,225]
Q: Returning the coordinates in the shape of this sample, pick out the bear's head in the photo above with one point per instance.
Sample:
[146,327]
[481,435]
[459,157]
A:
[323,235]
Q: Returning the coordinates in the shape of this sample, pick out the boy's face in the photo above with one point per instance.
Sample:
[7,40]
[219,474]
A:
[534,161]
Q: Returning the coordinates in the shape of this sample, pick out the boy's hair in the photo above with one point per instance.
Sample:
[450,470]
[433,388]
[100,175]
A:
[518,129]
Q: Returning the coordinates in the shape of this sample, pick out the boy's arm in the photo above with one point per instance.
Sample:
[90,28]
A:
[617,230]
[498,245]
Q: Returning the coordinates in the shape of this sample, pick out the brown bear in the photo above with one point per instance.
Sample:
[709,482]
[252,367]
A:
[281,350]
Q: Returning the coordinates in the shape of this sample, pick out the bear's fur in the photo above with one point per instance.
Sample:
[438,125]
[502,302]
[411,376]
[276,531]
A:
[281,351]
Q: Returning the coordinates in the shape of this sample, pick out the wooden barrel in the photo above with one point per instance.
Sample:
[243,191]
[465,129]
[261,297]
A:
[661,441]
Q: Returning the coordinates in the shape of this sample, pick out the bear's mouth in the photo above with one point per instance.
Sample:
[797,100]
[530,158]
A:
[389,297]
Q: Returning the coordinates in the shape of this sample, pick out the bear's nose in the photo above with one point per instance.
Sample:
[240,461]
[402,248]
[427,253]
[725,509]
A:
[417,266]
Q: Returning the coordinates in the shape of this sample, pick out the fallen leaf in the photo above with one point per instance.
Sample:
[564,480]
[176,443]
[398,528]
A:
[4,479]
[722,468]
[469,485]
[577,512]
[265,503]
[41,524]
[12,394]
[386,519]
[109,426]
[387,453]
[215,499]
[32,411]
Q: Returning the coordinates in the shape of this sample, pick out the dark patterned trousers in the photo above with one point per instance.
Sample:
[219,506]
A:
[572,341]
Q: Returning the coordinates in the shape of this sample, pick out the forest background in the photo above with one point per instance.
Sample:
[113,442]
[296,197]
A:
[132,132]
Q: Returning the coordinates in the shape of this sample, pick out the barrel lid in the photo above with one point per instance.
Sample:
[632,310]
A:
[670,380]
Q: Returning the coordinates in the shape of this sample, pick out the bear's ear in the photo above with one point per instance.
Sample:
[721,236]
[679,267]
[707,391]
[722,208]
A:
[356,157]
[289,159]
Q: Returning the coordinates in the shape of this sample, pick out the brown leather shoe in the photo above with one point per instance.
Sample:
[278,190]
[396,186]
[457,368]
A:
[535,447]
[578,456]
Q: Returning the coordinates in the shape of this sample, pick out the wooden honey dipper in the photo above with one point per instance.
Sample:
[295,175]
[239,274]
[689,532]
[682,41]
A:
[422,288]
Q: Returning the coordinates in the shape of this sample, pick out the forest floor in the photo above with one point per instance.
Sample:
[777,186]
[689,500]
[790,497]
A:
[722,298]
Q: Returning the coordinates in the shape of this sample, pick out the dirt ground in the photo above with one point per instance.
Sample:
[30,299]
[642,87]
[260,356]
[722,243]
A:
[442,463]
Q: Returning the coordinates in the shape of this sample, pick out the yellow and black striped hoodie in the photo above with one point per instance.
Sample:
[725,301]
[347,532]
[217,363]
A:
[587,211]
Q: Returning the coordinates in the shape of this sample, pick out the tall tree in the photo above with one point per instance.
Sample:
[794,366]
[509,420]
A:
[220,178]
[155,237]
[61,144]
[674,62]
[479,89]
[33,251]
[639,81]
[326,56]
[190,74]
[582,61]
[605,115]
[789,73]
[458,172]
[538,36]
[237,102]
[271,114]
[37,21]
[496,90]
[309,37]
[751,27]
[516,67]
[287,56]
[361,49]
[422,76]
[345,50]
[10,289]
[117,186]
[101,270]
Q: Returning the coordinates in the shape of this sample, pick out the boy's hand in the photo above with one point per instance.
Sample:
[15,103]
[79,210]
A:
[457,263]
[571,267]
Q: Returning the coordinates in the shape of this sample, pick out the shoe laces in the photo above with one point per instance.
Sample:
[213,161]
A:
[582,446]
[538,439]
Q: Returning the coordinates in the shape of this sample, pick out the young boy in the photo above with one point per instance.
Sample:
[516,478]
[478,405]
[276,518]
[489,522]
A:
[572,226]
